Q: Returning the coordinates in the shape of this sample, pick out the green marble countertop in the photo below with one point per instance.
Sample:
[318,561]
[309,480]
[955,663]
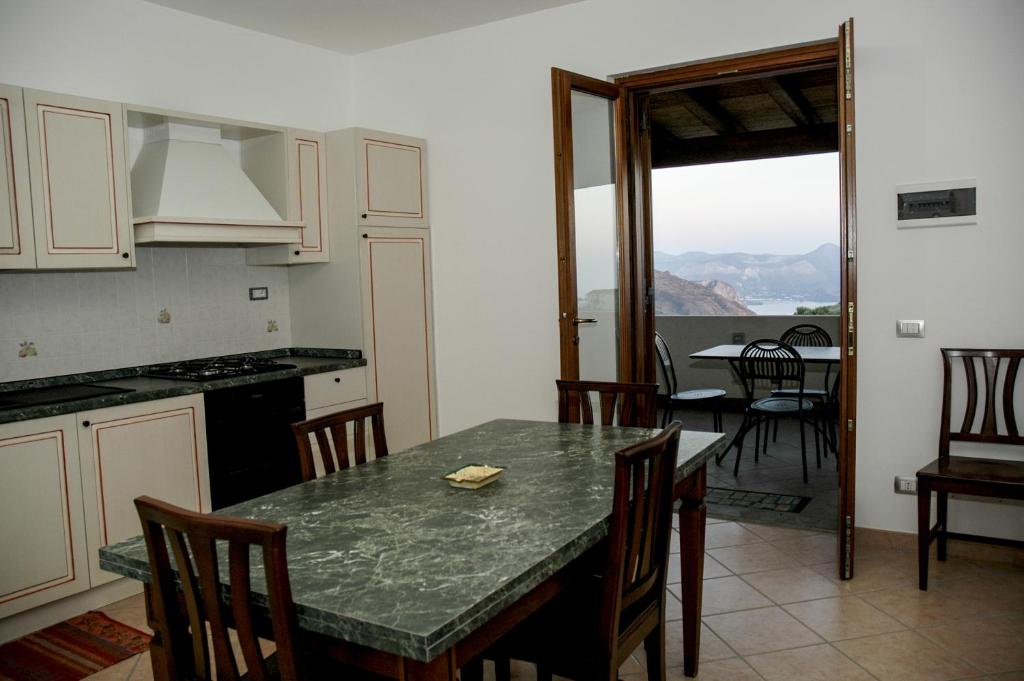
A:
[143,389]
[389,556]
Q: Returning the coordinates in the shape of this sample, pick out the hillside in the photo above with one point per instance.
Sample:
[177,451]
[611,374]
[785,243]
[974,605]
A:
[675,296]
[808,276]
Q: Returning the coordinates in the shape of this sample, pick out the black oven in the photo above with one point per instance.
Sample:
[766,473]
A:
[249,439]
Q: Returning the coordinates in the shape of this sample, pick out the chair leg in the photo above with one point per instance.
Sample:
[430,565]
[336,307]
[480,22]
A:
[543,672]
[775,431]
[941,509]
[654,646]
[757,440]
[473,670]
[803,449]
[740,436]
[764,444]
[924,534]
[817,443]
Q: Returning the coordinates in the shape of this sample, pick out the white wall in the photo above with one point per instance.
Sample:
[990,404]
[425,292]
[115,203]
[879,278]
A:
[939,93]
[136,52]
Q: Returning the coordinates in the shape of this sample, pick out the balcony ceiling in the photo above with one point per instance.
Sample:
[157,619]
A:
[353,26]
[783,115]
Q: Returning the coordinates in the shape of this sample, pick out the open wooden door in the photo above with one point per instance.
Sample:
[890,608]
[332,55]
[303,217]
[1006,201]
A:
[595,268]
[848,311]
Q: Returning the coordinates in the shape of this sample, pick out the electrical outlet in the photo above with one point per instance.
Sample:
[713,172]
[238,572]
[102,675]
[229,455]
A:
[905,485]
[259,293]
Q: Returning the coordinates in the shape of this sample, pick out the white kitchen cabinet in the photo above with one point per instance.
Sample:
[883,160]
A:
[76,158]
[306,201]
[17,245]
[43,530]
[154,448]
[391,186]
[398,332]
[332,388]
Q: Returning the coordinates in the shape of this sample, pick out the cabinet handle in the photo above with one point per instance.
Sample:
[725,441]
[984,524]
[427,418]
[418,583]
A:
[125,255]
[86,424]
[298,252]
[364,216]
[337,380]
[366,236]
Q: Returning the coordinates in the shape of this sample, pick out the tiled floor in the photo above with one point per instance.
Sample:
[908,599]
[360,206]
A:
[779,471]
[774,610]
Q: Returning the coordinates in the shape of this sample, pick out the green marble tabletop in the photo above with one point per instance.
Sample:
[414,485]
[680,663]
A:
[390,556]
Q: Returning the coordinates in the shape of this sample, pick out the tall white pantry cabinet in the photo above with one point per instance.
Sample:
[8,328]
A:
[379,273]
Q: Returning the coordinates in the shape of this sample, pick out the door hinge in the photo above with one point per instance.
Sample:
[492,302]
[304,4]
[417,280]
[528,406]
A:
[849,425]
[848,59]
[850,328]
[849,128]
[847,547]
[645,120]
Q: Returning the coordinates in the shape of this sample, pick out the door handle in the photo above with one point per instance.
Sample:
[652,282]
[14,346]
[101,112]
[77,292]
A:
[577,321]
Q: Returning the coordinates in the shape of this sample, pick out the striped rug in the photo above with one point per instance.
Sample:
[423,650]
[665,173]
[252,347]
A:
[70,650]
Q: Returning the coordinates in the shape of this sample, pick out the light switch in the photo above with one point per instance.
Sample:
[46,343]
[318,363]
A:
[259,293]
[910,328]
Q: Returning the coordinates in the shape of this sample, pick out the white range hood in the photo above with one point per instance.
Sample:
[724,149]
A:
[186,189]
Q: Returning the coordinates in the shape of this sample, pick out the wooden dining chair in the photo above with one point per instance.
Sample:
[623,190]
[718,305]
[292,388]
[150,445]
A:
[675,397]
[182,633]
[332,441]
[589,631]
[623,404]
[808,336]
[990,387]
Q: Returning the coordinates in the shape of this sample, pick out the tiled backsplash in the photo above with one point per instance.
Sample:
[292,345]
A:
[179,303]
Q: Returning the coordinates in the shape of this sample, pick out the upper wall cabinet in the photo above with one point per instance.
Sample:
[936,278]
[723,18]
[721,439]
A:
[76,154]
[391,180]
[306,201]
[17,247]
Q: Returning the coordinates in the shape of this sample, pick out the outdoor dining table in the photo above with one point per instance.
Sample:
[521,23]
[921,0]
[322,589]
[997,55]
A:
[395,571]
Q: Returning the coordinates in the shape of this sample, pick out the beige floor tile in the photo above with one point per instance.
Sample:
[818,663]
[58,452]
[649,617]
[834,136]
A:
[773,533]
[728,594]
[814,663]
[989,591]
[711,647]
[817,548]
[761,631]
[905,656]
[713,521]
[870,575]
[734,669]
[835,619]
[729,534]
[144,669]
[130,611]
[673,607]
[992,644]
[1012,676]
[117,672]
[790,585]
[752,558]
[916,608]
[712,569]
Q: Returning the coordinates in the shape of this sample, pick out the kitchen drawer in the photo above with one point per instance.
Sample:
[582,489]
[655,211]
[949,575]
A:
[334,409]
[334,387]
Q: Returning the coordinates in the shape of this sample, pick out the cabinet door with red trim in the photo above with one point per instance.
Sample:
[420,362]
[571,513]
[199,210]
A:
[76,157]
[42,534]
[17,249]
[155,448]
[391,180]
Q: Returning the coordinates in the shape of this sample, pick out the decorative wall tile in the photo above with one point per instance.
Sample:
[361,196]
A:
[80,321]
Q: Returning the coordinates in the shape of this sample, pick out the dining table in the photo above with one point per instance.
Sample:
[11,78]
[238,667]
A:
[397,572]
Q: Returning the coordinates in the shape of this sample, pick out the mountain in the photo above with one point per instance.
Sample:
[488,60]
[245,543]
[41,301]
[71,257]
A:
[809,276]
[675,296]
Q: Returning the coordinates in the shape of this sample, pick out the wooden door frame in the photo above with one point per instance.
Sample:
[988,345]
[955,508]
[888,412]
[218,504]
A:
[832,52]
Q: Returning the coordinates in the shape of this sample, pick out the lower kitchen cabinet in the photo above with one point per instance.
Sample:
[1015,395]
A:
[154,448]
[43,530]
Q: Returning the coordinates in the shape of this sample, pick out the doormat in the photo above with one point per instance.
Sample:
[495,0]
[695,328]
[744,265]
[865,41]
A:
[767,501]
[71,650]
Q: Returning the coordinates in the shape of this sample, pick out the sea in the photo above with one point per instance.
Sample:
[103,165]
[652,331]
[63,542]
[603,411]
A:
[767,308]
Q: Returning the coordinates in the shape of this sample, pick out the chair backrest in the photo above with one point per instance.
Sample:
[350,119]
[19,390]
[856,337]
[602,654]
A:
[635,404]
[193,541]
[636,570]
[334,450]
[668,368]
[806,335]
[990,375]
[772,361]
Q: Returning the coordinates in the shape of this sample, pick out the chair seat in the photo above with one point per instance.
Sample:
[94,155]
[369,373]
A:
[976,469]
[781,405]
[698,394]
[814,393]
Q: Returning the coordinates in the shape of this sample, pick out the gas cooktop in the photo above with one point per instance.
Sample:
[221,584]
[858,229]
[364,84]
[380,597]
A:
[214,367]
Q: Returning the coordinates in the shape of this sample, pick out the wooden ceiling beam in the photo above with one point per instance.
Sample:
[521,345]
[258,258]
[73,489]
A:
[705,109]
[792,102]
[743,146]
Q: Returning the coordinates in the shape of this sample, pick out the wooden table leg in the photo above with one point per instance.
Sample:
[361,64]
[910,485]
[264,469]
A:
[692,518]
[441,668]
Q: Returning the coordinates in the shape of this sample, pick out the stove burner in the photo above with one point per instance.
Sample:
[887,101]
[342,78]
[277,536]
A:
[215,367]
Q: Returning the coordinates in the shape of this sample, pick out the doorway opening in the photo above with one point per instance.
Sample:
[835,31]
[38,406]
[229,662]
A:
[745,237]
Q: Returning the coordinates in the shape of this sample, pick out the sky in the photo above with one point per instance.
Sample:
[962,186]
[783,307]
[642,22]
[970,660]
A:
[780,205]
